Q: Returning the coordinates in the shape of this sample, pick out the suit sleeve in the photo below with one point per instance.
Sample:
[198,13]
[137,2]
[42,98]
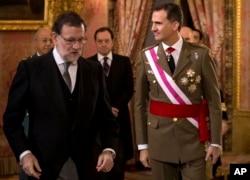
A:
[128,89]
[212,95]
[107,124]
[15,111]
[141,101]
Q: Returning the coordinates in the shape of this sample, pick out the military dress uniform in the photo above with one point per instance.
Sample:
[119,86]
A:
[171,139]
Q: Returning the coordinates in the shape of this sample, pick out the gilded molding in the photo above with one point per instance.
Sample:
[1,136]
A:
[237,57]
[13,25]
[237,54]
[52,9]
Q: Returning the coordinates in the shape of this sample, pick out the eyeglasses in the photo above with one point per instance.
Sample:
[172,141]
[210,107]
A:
[72,41]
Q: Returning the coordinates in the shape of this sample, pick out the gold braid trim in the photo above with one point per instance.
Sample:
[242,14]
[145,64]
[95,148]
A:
[8,166]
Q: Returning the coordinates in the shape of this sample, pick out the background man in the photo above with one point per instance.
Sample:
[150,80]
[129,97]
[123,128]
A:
[172,79]
[197,36]
[187,33]
[120,86]
[68,107]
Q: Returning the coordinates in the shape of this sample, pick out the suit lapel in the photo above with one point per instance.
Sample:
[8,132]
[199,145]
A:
[184,59]
[51,80]
[163,59]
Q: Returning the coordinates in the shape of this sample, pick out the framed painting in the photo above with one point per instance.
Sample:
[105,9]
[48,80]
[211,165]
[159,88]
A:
[24,14]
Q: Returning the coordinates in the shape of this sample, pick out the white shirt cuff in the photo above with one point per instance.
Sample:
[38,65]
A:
[216,145]
[142,146]
[23,154]
[112,152]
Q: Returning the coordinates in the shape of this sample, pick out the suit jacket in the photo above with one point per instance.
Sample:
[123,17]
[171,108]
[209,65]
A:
[120,88]
[53,135]
[169,140]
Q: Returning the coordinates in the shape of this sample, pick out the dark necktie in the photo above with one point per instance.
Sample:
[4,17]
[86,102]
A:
[170,59]
[105,65]
[66,75]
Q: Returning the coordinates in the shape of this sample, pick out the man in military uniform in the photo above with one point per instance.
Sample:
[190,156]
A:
[176,89]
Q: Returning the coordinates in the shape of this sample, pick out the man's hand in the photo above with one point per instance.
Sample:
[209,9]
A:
[144,158]
[213,152]
[30,166]
[115,111]
[105,162]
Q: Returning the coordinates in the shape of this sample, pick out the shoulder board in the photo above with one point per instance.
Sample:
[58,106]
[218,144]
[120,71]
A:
[200,45]
[203,45]
[149,47]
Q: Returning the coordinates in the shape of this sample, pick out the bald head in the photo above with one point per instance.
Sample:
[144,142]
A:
[187,33]
[43,40]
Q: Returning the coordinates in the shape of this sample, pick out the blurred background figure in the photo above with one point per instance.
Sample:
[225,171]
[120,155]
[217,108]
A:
[120,86]
[187,33]
[197,36]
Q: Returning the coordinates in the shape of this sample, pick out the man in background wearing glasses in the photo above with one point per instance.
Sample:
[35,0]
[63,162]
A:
[67,102]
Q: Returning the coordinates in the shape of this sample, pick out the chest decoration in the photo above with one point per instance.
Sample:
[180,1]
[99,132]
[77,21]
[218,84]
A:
[196,55]
[191,79]
[150,72]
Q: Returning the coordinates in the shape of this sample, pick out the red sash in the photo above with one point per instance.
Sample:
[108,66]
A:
[199,111]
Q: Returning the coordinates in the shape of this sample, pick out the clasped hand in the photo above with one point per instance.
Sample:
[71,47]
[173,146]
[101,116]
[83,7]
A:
[30,166]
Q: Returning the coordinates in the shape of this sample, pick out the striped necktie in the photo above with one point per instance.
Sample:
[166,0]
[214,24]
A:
[66,75]
[106,65]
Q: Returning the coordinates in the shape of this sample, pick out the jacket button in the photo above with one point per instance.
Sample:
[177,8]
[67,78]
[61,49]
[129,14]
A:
[175,119]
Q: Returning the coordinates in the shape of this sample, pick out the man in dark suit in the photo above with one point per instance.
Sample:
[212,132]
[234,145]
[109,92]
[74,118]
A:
[119,81]
[43,44]
[176,89]
[68,107]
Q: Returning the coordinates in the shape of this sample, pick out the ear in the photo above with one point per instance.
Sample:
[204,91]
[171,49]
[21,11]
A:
[176,25]
[54,38]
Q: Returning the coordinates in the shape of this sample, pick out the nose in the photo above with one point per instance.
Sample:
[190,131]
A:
[77,45]
[49,41]
[153,28]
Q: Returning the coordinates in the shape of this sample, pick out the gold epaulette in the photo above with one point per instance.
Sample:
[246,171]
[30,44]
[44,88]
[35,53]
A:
[149,47]
[223,107]
[199,45]
[203,45]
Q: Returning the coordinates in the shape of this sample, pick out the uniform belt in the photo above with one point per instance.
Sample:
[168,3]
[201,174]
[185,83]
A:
[198,111]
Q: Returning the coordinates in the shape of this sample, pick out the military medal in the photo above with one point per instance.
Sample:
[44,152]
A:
[168,57]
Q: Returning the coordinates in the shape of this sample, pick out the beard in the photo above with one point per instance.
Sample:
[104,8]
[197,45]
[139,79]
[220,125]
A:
[72,57]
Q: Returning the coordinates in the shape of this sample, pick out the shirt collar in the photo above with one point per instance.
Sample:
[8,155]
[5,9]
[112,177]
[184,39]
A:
[58,58]
[177,46]
[100,56]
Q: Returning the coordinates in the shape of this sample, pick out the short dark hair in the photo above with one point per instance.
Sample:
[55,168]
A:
[200,33]
[103,29]
[69,18]
[174,12]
